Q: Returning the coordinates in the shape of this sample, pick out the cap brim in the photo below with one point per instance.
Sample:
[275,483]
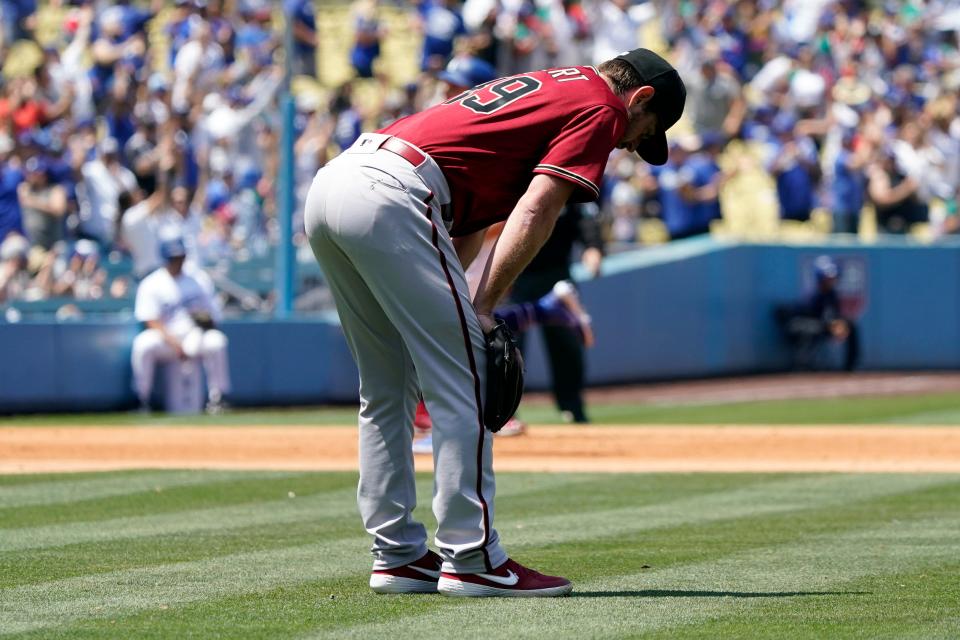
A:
[453,79]
[654,149]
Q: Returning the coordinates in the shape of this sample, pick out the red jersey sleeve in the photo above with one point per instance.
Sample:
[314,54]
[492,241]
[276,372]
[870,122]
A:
[579,151]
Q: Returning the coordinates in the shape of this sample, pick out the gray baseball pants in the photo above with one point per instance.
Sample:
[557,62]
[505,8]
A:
[374,223]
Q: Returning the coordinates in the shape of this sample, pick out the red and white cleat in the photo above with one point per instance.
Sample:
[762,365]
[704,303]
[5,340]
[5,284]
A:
[511,579]
[422,420]
[420,576]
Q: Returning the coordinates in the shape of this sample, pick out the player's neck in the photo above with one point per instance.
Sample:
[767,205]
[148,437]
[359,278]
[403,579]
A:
[612,90]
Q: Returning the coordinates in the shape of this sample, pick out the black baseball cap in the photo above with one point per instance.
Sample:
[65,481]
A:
[667,102]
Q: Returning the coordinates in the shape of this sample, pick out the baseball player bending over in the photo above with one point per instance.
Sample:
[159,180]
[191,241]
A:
[179,312]
[393,222]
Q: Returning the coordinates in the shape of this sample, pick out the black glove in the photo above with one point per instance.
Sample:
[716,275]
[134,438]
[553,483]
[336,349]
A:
[203,320]
[504,377]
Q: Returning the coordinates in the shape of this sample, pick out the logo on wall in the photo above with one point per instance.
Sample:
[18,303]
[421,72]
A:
[850,272]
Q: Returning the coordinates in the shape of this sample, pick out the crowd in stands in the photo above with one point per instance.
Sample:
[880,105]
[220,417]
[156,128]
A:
[147,120]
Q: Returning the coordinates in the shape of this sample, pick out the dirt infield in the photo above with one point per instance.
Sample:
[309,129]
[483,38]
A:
[545,448]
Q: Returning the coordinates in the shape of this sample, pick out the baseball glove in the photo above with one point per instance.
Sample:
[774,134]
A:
[504,377]
[203,320]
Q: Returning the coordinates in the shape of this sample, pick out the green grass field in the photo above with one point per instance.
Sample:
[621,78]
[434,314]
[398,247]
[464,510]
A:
[215,554]
[938,408]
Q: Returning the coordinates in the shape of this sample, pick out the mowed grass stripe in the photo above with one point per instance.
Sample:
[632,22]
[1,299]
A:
[46,553]
[782,496]
[694,594]
[936,408]
[940,407]
[56,603]
[921,603]
[59,602]
[177,539]
[238,489]
[331,503]
[289,609]
[94,486]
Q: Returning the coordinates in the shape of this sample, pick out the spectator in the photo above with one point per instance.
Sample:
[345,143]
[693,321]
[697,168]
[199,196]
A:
[142,152]
[77,273]
[673,191]
[140,233]
[368,34]
[18,19]
[825,66]
[894,194]
[441,23]
[21,109]
[849,183]
[255,42]
[178,27]
[43,205]
[348,121]
[180,315]
[104,181]
[716,98]
[613,27]
[196,66]
[707,178]
[68,71]
[113,48]
[304,36]
[625,204]
[793,164]
[14,279]
[11,218]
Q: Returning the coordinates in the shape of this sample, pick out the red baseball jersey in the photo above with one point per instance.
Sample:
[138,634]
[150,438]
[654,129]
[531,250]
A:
[490,140]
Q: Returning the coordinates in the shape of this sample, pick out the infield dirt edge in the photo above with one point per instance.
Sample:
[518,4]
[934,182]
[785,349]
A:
[868,448]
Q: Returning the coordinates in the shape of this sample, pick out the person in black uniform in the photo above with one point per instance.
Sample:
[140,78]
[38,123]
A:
[895,195]
[810,322]
[565,348]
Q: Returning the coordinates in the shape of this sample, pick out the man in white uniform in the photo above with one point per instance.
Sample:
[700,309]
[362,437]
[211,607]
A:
[179,312]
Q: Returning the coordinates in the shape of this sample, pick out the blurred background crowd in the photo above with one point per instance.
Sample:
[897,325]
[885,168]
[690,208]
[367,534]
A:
[125,123]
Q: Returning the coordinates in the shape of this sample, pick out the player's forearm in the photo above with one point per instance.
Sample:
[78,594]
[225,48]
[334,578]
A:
[526,230]
[514,251]
[522,238]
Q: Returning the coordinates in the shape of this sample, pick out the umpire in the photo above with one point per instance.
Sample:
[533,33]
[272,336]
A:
[577,224]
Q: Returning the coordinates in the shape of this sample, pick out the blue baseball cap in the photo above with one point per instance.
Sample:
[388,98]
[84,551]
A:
[824,268]
[468,72]
[784,123]
[36,164]
[172,248]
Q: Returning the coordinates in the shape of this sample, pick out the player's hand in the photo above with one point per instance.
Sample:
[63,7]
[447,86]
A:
[178,349]
[487,322]
[839,329]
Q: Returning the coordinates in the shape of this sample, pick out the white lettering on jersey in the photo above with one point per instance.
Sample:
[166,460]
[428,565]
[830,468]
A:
[566,75]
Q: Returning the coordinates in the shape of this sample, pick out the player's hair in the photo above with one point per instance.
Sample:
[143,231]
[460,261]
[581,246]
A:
[623,76]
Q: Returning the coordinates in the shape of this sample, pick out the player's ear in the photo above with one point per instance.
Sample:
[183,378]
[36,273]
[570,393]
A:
[640,95]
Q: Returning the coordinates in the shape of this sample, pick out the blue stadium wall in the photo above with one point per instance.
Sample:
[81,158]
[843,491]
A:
[688,309]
